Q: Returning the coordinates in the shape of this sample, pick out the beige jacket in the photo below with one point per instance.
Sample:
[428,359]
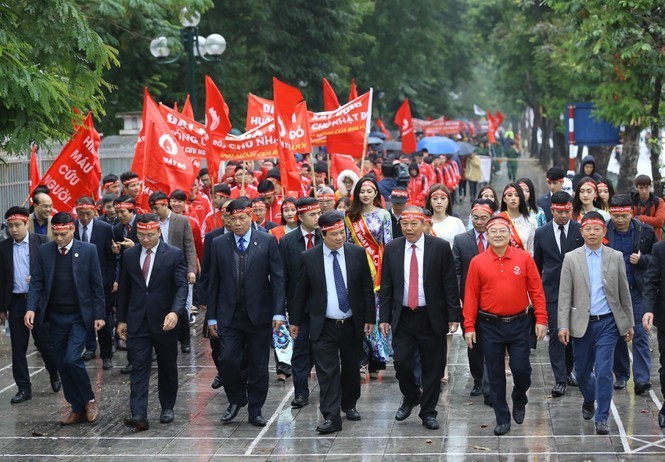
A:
[473,171]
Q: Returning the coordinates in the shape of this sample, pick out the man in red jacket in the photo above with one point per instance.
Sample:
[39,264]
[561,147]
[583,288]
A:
[647,207]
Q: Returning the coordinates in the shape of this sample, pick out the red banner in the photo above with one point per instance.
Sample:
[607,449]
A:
[291,119]
[259,111]
[352,143]
[493,124]
[76,171]
[217,126]
[35,176]
[191,134]
[256,144]
[187,109]
[349,118]
[405,124]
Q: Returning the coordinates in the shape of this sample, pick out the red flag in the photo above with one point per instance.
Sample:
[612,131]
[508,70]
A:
[35,176]
[350,143]
[493,124]
[76,171]
[187,109]
[259,111]
[191,134]
[353,92]
[500,117]
[405,124]
[330,101]
[218,126]
[341,162]
[384,130]
[287,99]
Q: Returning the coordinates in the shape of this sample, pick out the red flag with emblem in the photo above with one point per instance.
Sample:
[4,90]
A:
[405,124]
[35,176]
[218,126]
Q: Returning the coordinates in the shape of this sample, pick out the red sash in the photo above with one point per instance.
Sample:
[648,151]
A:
[515,239]
[363,237]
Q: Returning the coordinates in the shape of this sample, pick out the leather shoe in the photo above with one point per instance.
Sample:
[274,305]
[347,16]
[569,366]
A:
[107,364]
[352,414]
[588,410]
[559,389]
[501,429]
[217,383]
[88,355]
[488,401]
[477,390]
[137,421]
[430,422]
[127,369]
[56,383]
[21,396]
[329,426]
[661,418]
[232,411]
[186,347]
[620,384]
[405,409]
[642,387]
[300,401]
[519,410]
[602,428]
[72,419]
[572,379]
[258,420]
[166,416]
[92,411]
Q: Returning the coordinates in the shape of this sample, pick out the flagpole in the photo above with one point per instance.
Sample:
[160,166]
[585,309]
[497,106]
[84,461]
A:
[244,174]
[313,181]
[367,128]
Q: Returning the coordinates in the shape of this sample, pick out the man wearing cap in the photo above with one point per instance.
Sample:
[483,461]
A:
[555,177]
[291,247]
[501,317]
[18,258]
[419,301]
[634,239]
[552,242]
[151,296]
[595,310]
[67,289]
[398,199]
[246,299]
[335,290]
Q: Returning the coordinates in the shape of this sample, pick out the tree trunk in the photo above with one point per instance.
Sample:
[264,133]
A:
[654,143]
[602,156]
[560,153]
[545,150]
[629,156]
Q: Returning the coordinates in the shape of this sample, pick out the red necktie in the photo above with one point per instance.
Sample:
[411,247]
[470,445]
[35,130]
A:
[146,265]
[481,245]
[63,250]
[413,280]
[310,240]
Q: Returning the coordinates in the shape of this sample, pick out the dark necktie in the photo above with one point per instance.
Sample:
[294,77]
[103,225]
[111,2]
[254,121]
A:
[146,265]
[481,244]
[241,244]
[84,235]
[63,250]
[342,295]
[128,228]
[310,240]
[562,238]
[412,298]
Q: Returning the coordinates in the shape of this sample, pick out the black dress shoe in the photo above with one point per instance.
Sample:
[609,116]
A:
[21,396]
[166,416]
[620,384]
[477,390]
[137,421]
[519,410]
[186,347]
[488,401]
[107,364]
[258,420]
[661,418]
[352,414]
[217,383]
[602,428]
[56,383]
[430,422]
[588,410]
[642,387]
[329,426]
[127,369]
[501,429]
[300,401]
[88,355]
[559,389]
[405,409]
[572,379]
[232,411]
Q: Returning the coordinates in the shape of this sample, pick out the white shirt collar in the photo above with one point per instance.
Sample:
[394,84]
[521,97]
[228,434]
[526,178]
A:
[420,243]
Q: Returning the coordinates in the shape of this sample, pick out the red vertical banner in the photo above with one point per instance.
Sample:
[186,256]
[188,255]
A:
[353,92]
[35,176]
[218,126]
[405,124]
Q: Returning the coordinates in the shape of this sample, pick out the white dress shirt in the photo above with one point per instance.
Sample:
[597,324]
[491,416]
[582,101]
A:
[420,255]
[88,231]
[144,253]
[165,225]
[484,235]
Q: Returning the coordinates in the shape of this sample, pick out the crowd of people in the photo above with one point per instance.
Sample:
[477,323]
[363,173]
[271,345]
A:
[344,275]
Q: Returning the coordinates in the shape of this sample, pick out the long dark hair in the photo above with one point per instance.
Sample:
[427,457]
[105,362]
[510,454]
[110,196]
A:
[496,197]
[428,200]
[288,200]
[577,203]
[531,203]
[524,211]
[356,209]
[610,190]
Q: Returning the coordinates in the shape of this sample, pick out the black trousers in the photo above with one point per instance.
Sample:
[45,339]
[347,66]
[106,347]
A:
[561,357]
[301,359]
[255,341]
[140,345]
[661,350]
[20,337]
[414,333]
[336,354]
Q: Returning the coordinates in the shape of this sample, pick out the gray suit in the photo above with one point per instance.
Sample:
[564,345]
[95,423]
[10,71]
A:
[180,236]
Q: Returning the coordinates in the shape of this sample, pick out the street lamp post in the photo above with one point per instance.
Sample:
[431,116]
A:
[198,49]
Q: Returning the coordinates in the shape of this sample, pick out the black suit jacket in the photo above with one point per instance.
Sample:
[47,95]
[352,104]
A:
[205,264]
[439,280]
[465,247]
[87,279]
[397,229]
[311,297]
[644,237]
[7,265]
[102,235]
[166,292]
[548,258]
[263,284]
[545,203]
[653,297]
[118,234]
[291,247]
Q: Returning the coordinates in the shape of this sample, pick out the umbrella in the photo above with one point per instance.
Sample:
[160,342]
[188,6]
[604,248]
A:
[392,146]
[374,140]
[378,135]
[466,148]
[437,145]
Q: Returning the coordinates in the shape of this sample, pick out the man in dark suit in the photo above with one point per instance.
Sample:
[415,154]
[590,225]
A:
[100,234]
[67,289]
[335,290]
[555,177]
[18,258]
[151,294]
[291,247]
[465,247]
[653,304]
[246,299]
[419,301]
[398,199]
[559,236]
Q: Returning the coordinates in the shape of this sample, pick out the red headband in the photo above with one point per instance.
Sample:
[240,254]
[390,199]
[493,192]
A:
[337,225]
[439,192]
[124,205]
[592,184]
[326,197]
[160,202]
[149,226]
[308,208]
[413,216]
[111,183]
[498,222]
[368,183]
[23,218]
[258,205]
[567,206]
[289,207]
[130,181]
[247,210]
[619,209]
[86,207]
[482,208]
[602,184]
[399,193]
[509,189]
[593,221]
[62,226]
